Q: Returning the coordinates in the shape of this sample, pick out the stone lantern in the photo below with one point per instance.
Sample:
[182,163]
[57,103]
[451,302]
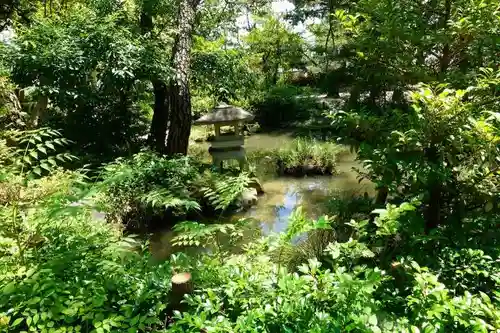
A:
[227,146]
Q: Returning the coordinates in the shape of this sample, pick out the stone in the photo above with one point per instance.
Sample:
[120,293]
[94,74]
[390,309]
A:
[248,197]
[257,186]
[225,114]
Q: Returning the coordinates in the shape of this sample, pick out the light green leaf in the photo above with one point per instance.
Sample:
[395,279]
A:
[17,322]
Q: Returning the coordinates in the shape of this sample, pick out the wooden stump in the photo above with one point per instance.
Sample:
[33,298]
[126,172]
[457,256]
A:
[181,285]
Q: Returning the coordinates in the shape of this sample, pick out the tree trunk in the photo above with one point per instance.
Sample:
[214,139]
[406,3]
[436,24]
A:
[432,213]
[445,60]
[375,93]
[179,96]
[159,122]
[382,193]
[158,130]
[354,95]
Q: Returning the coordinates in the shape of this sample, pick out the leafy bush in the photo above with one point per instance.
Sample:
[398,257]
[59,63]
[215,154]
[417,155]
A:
[69,273]
[147,188]
[59,270]
[84,276]
[89,67]
[357,126]
[146,184]
[283,105]
[345,291]
[445,151]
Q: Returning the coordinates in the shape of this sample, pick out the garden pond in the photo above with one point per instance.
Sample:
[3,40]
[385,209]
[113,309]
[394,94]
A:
[282,195]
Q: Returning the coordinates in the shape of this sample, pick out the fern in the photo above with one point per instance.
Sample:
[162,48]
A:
[148,181]
[35,151]
[164,198]
[199,234]
[21,193]
[226,190]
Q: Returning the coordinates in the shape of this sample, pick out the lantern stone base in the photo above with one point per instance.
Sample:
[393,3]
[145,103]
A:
[234,153]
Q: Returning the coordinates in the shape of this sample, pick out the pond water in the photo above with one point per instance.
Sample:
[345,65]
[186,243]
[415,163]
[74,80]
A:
[284,194]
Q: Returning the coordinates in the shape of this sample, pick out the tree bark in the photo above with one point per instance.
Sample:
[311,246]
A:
[355,93]
[382,194]
[159,123]
[179,95]
[444,62]
[432,213]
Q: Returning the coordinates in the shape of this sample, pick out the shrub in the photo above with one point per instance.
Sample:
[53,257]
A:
[59,270]
[146,185]
[84,276]
[148,189]
[282,105]
[96,96]
[346,291]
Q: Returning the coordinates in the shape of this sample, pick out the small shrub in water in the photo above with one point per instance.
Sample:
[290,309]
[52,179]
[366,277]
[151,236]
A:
[303,156]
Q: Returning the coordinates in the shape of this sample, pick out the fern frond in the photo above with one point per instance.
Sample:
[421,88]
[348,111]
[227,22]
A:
[226,190]
[35,150]
[164,198]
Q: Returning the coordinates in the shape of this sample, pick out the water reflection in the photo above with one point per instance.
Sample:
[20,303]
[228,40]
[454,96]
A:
[284,194]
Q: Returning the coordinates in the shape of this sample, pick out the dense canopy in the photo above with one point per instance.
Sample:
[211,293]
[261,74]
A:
[367,198]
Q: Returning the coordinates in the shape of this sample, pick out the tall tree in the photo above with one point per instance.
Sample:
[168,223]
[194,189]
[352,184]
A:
[277,47]
[179,99]
[154,23]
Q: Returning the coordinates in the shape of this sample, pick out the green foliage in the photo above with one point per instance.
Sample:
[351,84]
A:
[220,75]
[425,260]
[308,301]
[346,207]
[20,163]
[60,270]
[376,46]
[147,188]
[199,234]
[88,67]
[468,270]
[275,48]
[446,144]
[258,295]
[83,277]
[346,291]
[147,181]
[282,105]
[78,274]
[223,191]
[10,109]
[36,151]
[357,126]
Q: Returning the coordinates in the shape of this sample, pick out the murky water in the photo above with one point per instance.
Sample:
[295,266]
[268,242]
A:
[284,194]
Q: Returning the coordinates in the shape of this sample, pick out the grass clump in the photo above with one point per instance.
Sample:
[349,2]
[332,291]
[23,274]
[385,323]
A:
[301,157]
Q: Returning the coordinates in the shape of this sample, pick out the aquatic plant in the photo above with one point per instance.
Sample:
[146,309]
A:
[302,156]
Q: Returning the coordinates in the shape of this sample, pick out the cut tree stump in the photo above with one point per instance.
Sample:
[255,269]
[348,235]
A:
[181,285]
